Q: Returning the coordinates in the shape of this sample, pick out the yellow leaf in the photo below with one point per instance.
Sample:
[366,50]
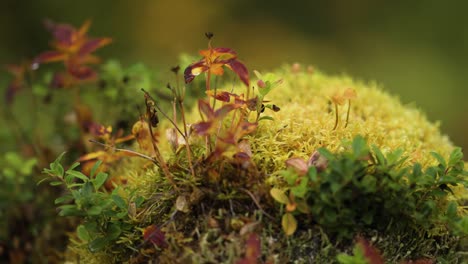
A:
[289,224]
[279,196]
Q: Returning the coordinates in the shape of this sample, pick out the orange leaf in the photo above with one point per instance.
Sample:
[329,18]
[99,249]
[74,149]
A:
[50,56]
[92,45]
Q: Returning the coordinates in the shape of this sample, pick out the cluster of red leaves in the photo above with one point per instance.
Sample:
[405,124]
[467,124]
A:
[213,61]
[226,137]
[73,47]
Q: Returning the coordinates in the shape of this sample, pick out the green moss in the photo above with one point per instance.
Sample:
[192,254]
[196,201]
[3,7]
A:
[223,205]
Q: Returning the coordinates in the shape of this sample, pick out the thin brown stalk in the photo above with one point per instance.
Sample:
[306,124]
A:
[257,203]
[347,115]
[336,116]
[179,100]
[160,159]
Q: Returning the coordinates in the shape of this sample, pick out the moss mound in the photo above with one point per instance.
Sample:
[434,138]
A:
[226,212]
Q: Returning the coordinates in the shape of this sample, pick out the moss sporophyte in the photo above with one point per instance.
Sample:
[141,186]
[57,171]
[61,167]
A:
[263,170]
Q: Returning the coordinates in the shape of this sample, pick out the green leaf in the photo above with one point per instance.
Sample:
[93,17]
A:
[139,201]
[266,118]
[69,210]
[312,174]
[55,183]
[98,244]
[440,159]
[394,157]
[462,225]
[87,189]
[452,209]
[119,201]
[94,210]
[455,157]
[330,215]
[64,199]
[113,231]
[301,189]
[83,233]
[290,176]
[417,172]
[56,167]
[94,168]
[379,155]
[78,175]
[326,153]
[360,146]
[369,183]
[73,166]
[100,179]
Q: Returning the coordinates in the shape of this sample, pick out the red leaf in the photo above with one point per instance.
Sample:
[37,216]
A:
[221,51]
[240,69]
[252,250]
[50,56]
[82,72]
[202,128]
[63,33]
[154,235]
[194,70]
[223,55]
[222,96]
[92,45]
[206,109]
[224,110]
[371,253]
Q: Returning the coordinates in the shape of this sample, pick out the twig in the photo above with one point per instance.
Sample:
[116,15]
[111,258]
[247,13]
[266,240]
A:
[124,150]
[257,203]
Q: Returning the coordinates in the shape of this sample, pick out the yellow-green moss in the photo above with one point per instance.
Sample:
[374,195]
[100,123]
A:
[307,118]
[304,124]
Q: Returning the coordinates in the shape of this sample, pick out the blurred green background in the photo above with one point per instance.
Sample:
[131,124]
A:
[415,49]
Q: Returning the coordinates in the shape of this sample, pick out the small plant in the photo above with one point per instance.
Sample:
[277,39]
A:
[360,188]
[104,214]
[74,48]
